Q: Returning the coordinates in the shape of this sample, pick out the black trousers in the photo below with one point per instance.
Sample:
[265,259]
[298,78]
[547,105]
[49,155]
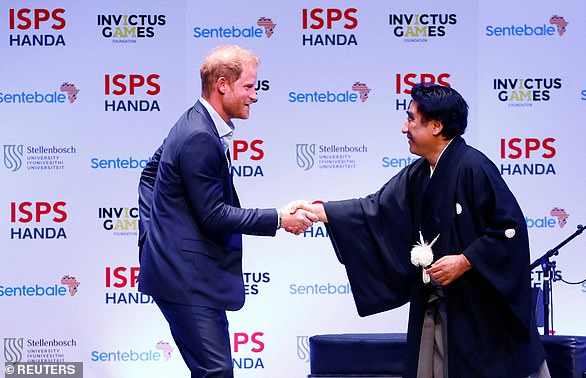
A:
[201,334]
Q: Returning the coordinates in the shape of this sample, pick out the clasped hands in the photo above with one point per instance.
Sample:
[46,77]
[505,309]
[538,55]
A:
[298,216]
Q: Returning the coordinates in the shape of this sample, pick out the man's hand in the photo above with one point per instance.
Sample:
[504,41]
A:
[294,217]
[445,270]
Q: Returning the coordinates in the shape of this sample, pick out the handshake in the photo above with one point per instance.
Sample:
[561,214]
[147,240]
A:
[298,216]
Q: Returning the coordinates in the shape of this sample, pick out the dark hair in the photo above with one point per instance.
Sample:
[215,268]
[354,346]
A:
[444,104]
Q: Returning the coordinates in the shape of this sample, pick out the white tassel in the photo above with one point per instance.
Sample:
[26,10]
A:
[422,255]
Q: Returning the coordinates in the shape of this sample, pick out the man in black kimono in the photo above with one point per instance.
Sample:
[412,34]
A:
[474,318]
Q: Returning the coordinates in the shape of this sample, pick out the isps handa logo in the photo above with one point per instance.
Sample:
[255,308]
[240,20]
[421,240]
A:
[67,286]
[130,28]
[265,27]
[406,80]
[556,25]
[358,92]
[131,92]
[528,156]
[329,26]
[247,156]
[36,27]
[39,220]
[121,286]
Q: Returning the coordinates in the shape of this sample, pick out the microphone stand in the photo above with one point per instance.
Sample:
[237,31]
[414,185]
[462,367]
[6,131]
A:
[548,267]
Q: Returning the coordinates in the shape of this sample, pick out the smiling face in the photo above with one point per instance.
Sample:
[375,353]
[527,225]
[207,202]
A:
[420,132]
[238,95]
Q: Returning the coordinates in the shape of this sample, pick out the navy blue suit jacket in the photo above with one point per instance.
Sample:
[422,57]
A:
[192,243]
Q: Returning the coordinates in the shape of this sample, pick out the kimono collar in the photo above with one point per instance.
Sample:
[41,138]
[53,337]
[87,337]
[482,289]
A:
[431,169]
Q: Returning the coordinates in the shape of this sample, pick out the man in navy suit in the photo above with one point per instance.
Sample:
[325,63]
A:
[191,219]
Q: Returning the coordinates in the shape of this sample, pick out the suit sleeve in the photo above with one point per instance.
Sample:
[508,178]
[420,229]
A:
[145,193]
[209,189]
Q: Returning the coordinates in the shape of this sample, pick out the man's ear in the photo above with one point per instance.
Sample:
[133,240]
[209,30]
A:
[221,84]
[437,127]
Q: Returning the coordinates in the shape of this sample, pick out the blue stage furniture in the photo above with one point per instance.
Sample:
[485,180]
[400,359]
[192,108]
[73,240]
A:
[382,355]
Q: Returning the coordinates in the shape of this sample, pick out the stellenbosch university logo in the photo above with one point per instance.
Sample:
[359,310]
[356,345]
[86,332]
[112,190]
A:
[130,28]
[329,156]
[121,282]
[37,349]
[329,26]
[131,92]
[528,156]
[38,220]
[66,94]
[518,92]
[421,26]
[68,288]
[36,158]
[557,217]
[36,27]
[357,92]
[161,351]
[556,25]
[265,27]
[303,348]
[121,221]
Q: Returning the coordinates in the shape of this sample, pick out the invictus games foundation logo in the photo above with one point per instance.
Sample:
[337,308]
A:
[518,92]
[328,156]
[129,28]
[421,27]
[121,221]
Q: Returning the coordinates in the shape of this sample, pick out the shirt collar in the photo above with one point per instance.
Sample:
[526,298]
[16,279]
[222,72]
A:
[224,129]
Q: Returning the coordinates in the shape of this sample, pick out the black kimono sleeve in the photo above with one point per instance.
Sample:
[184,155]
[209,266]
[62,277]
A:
[371,237]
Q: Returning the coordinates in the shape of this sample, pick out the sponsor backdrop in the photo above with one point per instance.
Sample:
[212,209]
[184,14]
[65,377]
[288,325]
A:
[88,91]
